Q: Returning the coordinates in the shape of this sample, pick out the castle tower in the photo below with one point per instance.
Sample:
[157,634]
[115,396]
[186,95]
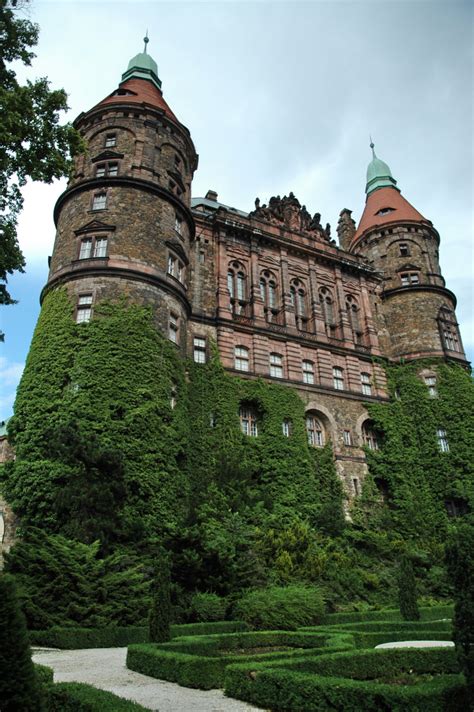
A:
[124,223]
[403,245]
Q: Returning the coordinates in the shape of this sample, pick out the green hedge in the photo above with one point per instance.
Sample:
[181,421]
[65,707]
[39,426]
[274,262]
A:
[429,613]
[119,637]
[374,626]
[79,697]
[201,661]
[316,684]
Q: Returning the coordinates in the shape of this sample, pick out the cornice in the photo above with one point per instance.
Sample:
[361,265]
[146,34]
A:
[386,294]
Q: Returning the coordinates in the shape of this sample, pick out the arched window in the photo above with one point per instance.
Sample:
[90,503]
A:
[327,307]
[268,290]
[241,358]
[370,436]
[353,314]
[314,430]
[298,301]
[237,285]
[449,331]
[248,420]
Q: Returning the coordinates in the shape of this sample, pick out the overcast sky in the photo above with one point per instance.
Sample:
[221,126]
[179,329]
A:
[278,96]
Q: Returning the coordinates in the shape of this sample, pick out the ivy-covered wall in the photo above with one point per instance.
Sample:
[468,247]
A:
[120,441]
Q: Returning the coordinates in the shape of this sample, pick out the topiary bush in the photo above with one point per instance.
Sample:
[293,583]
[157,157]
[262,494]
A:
[407,591]
[160,612]
[281,607]
[208,607]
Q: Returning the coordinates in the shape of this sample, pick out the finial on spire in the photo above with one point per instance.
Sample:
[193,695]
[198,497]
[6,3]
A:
[146,40]
[372,147]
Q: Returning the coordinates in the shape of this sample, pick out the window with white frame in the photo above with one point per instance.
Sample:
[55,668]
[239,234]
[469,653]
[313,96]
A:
[347,437]
[430,382]
[178,224]
[84,308]
[93,247]
[106,169]
[308,372]
[199,349]
[241,358]
[370,437]
[175,268]
[286,427]
[276,365]
[366,384]
[314,431]
[173,397]
[338,378]
[173,328]
[409,278]
[110,140]
[99,201]
[442,440]
[248,421]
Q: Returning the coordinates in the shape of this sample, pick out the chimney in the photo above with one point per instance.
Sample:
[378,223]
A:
[211,195]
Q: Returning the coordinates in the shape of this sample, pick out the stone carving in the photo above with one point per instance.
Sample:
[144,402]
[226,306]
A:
[289,211]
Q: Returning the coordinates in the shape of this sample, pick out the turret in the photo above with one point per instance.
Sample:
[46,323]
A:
[124,223]
[403,246]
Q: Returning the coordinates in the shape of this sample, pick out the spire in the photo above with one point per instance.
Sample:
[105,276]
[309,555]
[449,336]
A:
[143,66]
[379,174]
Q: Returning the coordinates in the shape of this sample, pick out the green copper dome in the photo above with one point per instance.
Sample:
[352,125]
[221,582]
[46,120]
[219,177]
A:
[142,66]
[379,175]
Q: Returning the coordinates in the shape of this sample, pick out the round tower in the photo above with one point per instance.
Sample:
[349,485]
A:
[402,245]
[124,223]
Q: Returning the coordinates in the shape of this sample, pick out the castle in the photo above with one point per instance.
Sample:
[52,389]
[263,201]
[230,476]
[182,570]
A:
[271,287]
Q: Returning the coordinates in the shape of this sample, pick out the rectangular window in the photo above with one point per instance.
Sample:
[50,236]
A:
[430,382]
[173,328]
[276,366]
[240,286]
[86,249]
[442,440]
[241,358]
[84,308]
[338,378]
[100,171]
[248,422]
[172,264]
[99,201]
[178,224]
[112,169]
[404,251]
[199,349]
[110,140]
[347,437]
[408,278]
[286,428]
[100,247]
[355,483]
[366,384]
[308,372]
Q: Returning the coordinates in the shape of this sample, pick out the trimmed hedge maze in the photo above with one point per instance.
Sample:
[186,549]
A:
[201,661]
[358,681]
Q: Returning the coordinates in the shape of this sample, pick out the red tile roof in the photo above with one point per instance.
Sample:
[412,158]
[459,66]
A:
[143,92]
[386,198]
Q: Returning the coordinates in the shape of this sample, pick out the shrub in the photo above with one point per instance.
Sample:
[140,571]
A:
[19,688]
[407,591]
[160,612]
[460,563]
[430,613]
[281,608]
[79,697]
[208,607]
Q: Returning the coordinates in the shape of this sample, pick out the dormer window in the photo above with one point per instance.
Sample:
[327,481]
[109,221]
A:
[385,211]
[106,169]
[110,140]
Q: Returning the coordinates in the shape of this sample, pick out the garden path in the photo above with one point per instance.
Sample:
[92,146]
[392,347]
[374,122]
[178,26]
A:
[105,668]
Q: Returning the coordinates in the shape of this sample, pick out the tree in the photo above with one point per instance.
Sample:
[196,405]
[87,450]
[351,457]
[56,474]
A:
[19,688]
[460,565]
[160,612]
[33,144]
[407,591]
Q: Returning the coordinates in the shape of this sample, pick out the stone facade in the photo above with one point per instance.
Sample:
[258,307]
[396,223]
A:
[270,287]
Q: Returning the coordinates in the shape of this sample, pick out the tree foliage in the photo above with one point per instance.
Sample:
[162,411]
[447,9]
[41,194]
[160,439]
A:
[33,143]
[19,689]
[160,611]
[407,597]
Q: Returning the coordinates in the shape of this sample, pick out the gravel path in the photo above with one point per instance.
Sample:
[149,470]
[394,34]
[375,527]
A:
[418,644]
[105,668]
